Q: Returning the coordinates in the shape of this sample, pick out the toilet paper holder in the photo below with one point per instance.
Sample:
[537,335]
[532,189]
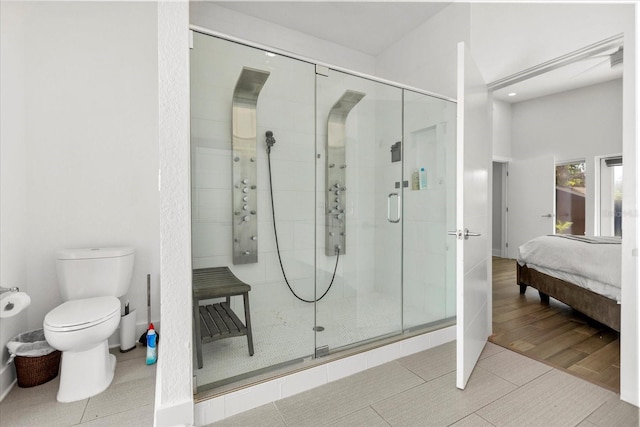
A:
[14,289]
[9,305]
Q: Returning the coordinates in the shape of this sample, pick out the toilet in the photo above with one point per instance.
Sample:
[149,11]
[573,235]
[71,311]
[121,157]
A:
[90,282]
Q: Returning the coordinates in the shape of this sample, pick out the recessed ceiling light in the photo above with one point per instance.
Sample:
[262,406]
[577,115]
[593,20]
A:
[270,54]
[512,94]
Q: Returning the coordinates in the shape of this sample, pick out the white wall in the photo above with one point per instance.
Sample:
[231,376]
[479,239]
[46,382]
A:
[426,57]
[174,392]
[573,125]
[501,130]
[81,146]
[229,22]
[13,176]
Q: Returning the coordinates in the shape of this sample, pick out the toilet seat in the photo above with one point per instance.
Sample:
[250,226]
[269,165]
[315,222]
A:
[81,314]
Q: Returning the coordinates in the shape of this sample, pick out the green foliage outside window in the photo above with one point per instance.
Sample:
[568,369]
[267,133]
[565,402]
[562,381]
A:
[570,175]
[562,226]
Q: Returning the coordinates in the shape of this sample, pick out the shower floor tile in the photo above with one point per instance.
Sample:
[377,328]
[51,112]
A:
[281,336]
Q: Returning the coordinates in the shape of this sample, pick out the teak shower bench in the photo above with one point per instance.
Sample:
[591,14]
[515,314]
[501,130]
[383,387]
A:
[217,321]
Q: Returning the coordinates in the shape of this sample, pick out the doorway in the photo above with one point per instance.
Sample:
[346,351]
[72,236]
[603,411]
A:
[499,210]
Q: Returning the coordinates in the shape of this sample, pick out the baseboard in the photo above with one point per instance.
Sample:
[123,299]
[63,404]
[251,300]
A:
[8,380]
[180,414]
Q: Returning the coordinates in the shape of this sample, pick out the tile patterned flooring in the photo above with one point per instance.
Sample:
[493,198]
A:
[127,402]
[506,389]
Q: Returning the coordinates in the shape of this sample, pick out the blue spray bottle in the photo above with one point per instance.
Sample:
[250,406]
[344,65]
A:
[152,345]
[423,179]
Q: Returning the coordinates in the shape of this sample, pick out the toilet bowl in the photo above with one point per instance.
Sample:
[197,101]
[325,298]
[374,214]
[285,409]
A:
[90,281]
[80,329]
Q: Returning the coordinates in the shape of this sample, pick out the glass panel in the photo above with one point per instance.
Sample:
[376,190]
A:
[281,327]
[429,210]
[617,200]
[611,197]
[358,194]
[570,198]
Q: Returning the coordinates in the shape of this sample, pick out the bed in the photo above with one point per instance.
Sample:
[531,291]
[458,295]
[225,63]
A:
[582,272]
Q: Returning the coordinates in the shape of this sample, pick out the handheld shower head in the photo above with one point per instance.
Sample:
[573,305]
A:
[270,140]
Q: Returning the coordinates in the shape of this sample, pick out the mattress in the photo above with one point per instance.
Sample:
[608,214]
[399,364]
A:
[593,263]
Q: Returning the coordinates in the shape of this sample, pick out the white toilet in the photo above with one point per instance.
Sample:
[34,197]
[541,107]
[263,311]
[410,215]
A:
[90,280]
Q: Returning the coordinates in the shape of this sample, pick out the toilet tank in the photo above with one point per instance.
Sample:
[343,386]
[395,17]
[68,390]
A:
[94,272]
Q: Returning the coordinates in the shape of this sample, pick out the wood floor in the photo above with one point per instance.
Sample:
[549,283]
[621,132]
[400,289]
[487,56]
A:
[554,333]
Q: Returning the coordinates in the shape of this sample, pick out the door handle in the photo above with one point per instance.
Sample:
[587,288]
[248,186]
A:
[468,234]
[397,220]
[459,234]
[547,216]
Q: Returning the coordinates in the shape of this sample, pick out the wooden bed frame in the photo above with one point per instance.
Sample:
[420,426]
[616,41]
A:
[593,305]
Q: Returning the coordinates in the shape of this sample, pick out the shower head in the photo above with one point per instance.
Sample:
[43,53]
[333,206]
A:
[270,140]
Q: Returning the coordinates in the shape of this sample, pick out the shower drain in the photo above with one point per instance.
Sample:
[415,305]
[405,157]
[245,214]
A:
[318,328]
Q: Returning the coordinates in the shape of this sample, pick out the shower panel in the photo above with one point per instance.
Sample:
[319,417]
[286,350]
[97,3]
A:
[335,241]
[244,169]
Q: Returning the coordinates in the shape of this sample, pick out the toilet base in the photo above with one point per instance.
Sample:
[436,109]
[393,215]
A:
[85,373]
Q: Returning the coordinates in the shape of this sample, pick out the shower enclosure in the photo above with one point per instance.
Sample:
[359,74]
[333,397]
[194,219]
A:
[360,183]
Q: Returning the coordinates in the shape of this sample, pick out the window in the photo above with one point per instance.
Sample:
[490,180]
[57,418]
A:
[611,196]
[570,198]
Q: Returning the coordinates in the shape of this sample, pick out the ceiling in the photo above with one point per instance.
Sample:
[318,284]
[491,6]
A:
[369,27]
[583,72]
[372,27]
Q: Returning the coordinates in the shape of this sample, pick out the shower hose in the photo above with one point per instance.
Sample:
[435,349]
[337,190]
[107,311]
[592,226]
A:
[275,232]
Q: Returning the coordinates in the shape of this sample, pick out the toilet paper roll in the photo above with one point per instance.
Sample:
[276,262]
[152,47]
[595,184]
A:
[128,332]
[12,303]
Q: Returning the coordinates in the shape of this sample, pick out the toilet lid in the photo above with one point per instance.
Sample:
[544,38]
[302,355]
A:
[81,313]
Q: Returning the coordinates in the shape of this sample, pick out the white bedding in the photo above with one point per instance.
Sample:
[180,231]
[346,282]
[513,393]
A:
[592,266]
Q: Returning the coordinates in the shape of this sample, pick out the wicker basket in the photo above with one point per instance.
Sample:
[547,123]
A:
[33,371]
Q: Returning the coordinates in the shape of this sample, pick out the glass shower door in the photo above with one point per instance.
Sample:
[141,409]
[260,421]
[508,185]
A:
[358,214]
[242,99]
[429,210]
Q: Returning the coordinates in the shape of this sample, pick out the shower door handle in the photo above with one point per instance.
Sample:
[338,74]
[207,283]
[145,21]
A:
[397,196]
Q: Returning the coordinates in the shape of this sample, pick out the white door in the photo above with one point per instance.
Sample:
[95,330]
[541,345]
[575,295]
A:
[531,188]
[473,248]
